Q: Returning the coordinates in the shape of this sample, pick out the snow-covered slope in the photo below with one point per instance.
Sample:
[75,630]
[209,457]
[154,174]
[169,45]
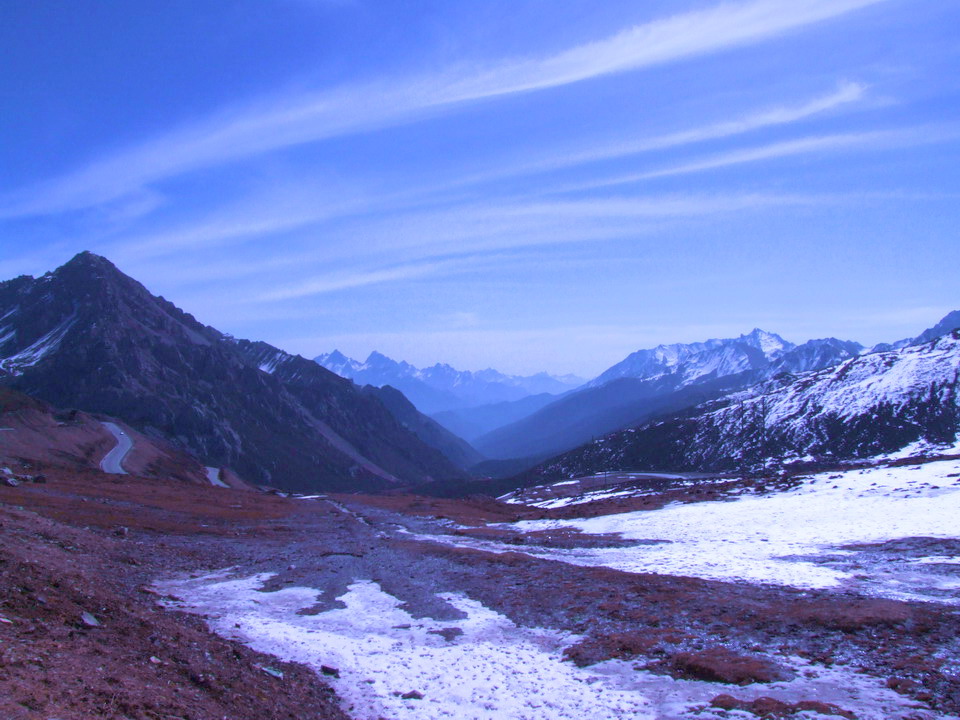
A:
[870,404]
[759,351]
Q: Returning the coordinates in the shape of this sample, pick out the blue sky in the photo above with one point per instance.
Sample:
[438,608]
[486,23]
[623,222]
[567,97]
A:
[533,184]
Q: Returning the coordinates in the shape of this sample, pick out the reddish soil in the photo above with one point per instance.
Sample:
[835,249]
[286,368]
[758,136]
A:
[84,542]
[81,636]
[35,434]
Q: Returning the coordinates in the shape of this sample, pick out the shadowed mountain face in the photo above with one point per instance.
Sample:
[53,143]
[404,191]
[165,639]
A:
[87,336]
[871,404]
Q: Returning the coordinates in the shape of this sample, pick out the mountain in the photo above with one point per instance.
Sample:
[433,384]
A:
[455,448]
[474,422]
[652,382]
[87,336]
[696,360]
[868,405]
[950,322]
[442,387]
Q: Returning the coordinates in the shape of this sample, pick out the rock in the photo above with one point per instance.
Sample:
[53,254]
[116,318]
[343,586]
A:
[767,707]
[726,702]
[448,634]
[412,695]
[39,478]
[89,620]
[121,531]
[155,660]
[8,481]
[331,671]
[272,672]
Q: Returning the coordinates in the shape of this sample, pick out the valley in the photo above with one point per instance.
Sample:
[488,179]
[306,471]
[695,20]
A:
[410,606]
[192,525]
[452,360]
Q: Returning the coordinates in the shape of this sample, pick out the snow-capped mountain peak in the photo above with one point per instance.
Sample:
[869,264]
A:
[441,386]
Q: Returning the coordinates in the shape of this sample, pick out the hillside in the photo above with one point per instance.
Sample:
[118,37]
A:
[88,337]
[872,404]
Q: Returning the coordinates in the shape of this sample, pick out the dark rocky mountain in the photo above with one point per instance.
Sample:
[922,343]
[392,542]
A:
[653,382]
[581,416]
[868,405]
[89,337]
[442,387]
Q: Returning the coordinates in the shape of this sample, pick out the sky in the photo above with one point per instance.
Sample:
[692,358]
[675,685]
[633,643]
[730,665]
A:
[526,184]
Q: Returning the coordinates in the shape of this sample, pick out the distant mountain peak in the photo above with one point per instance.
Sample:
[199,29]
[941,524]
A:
[768,343]
[949,322]
[441,386]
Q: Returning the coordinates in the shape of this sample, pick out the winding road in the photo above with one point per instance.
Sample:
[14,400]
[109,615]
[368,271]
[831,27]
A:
[113,461]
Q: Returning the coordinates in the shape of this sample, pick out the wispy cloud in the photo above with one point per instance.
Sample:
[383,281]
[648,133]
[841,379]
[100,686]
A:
[787,148]
[281,122]
[448,241]
[846,94]
[345,280]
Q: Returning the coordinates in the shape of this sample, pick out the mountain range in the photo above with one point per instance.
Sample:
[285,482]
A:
[652,382]
[442,387]
[86,336]
[875,403]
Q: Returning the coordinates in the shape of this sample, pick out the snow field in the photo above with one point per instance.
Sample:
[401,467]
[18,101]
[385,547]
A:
[494,670]
[776,538]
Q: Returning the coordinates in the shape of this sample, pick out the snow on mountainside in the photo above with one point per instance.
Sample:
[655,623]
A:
[758,350]
[870,404]
[442,387]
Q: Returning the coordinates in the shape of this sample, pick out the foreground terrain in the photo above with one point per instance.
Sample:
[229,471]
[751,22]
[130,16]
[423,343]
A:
[568,607]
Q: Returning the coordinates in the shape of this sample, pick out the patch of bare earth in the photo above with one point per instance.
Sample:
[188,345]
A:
[82,636]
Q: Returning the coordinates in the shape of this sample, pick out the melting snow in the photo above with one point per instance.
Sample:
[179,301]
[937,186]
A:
[493,670]
[213,475]
[777,538]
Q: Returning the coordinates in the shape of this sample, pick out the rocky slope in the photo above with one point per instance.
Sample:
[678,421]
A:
[871,404]
[87,336]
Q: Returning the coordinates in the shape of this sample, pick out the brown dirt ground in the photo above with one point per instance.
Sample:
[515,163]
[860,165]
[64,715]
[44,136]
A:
[67,548]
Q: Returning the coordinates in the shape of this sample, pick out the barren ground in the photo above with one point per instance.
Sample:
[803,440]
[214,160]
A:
[374,586]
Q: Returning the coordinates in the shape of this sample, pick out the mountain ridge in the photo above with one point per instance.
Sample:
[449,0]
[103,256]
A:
[868,405]
[89,337]
[441,387]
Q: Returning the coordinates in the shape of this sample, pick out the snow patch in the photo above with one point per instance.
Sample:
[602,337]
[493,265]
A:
[777,538]
[494,669]
[33,354]
[491,670]
[213,475]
